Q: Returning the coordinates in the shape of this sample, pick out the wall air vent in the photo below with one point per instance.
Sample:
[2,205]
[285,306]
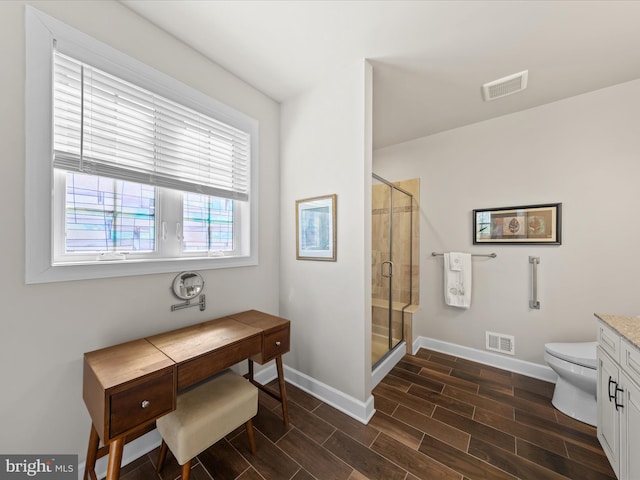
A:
[505,86]
[499,342]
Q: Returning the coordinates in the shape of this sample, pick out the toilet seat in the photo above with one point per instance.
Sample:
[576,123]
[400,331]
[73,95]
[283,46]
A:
[583,354]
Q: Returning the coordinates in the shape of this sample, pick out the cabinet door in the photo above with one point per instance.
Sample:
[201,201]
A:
[608,416]
[630,430]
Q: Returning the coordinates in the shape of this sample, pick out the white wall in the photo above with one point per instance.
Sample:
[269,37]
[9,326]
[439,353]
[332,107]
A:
[582,152]
[326,149]
[45,329]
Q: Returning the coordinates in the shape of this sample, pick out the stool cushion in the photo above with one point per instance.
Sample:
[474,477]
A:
[206,413]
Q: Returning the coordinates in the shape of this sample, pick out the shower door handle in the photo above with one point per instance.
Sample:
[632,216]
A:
[389,273]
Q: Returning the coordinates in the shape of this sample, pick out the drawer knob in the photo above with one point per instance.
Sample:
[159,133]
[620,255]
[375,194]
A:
[145,403]
[278,343]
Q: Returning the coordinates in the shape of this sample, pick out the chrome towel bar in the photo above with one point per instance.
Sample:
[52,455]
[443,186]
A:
[491,255]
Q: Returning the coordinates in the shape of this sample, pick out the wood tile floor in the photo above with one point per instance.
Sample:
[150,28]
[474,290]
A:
[438,417]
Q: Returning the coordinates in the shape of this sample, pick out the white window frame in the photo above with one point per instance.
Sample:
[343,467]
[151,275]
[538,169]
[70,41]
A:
[41,32]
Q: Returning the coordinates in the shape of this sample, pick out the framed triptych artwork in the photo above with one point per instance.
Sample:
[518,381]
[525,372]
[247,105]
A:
[532,224]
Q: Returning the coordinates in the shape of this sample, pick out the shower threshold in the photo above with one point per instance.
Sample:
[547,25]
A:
[384,365]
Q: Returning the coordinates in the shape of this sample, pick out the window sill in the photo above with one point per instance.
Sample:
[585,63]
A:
[124,268]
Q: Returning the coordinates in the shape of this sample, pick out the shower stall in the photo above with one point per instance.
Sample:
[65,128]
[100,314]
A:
[394,246]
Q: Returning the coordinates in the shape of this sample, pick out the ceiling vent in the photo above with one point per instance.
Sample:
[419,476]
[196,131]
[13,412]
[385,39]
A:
[505,86]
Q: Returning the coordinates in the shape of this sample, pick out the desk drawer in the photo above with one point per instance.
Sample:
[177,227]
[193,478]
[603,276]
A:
[203,367]
[141,404]
[275,344]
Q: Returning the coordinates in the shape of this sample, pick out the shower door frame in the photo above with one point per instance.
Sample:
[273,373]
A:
[390,310]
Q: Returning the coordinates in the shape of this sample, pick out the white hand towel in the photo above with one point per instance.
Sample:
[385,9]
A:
[455,261]
[457,279]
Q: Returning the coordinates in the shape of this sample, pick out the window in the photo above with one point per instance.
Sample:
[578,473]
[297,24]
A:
[104,215]
[208,224]
[147,174]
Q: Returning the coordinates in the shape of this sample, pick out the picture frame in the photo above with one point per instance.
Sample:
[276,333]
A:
[528,225]
[316,232]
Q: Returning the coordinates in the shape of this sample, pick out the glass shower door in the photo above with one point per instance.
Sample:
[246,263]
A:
[391,263]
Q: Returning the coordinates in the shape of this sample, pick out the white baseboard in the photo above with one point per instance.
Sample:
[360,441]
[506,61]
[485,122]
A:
[388,363]
[541,372]
[265,375]
[361,411]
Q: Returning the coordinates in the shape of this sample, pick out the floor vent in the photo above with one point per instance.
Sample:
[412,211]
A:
[505,86]
[499,342]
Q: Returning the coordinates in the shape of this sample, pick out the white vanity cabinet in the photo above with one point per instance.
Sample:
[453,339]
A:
[630,432]
[608,416]
[618,395]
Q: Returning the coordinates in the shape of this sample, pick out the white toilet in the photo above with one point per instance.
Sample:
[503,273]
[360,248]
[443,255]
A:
[575,391]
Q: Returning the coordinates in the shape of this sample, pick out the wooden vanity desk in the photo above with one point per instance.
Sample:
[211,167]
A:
[128,386]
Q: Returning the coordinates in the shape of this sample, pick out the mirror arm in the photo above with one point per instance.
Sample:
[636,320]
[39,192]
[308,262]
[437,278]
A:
[201,303]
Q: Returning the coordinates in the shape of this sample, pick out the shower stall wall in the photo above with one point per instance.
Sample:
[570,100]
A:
[394,269]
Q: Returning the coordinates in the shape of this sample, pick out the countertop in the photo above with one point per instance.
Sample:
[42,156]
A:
[628,327]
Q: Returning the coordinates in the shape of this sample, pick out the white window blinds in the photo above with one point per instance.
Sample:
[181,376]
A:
[106,126]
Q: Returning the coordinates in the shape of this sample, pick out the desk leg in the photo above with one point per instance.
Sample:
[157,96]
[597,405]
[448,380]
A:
[250,374]
[115,459]
[283,391]
[92,454]
[282,398]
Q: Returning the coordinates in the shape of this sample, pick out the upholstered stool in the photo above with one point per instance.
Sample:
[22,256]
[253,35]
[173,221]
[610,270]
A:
[205,414]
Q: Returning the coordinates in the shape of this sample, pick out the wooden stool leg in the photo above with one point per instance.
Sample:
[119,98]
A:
[252,437]
[186,470]
[161,456]
[92,454]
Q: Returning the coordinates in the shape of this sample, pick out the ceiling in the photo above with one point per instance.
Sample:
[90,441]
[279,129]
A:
[429,58]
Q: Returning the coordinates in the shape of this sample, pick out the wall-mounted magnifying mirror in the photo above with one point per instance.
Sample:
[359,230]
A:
[188,285]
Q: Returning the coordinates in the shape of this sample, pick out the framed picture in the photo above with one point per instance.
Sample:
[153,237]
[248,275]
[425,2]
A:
[533,224]
[316,228]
